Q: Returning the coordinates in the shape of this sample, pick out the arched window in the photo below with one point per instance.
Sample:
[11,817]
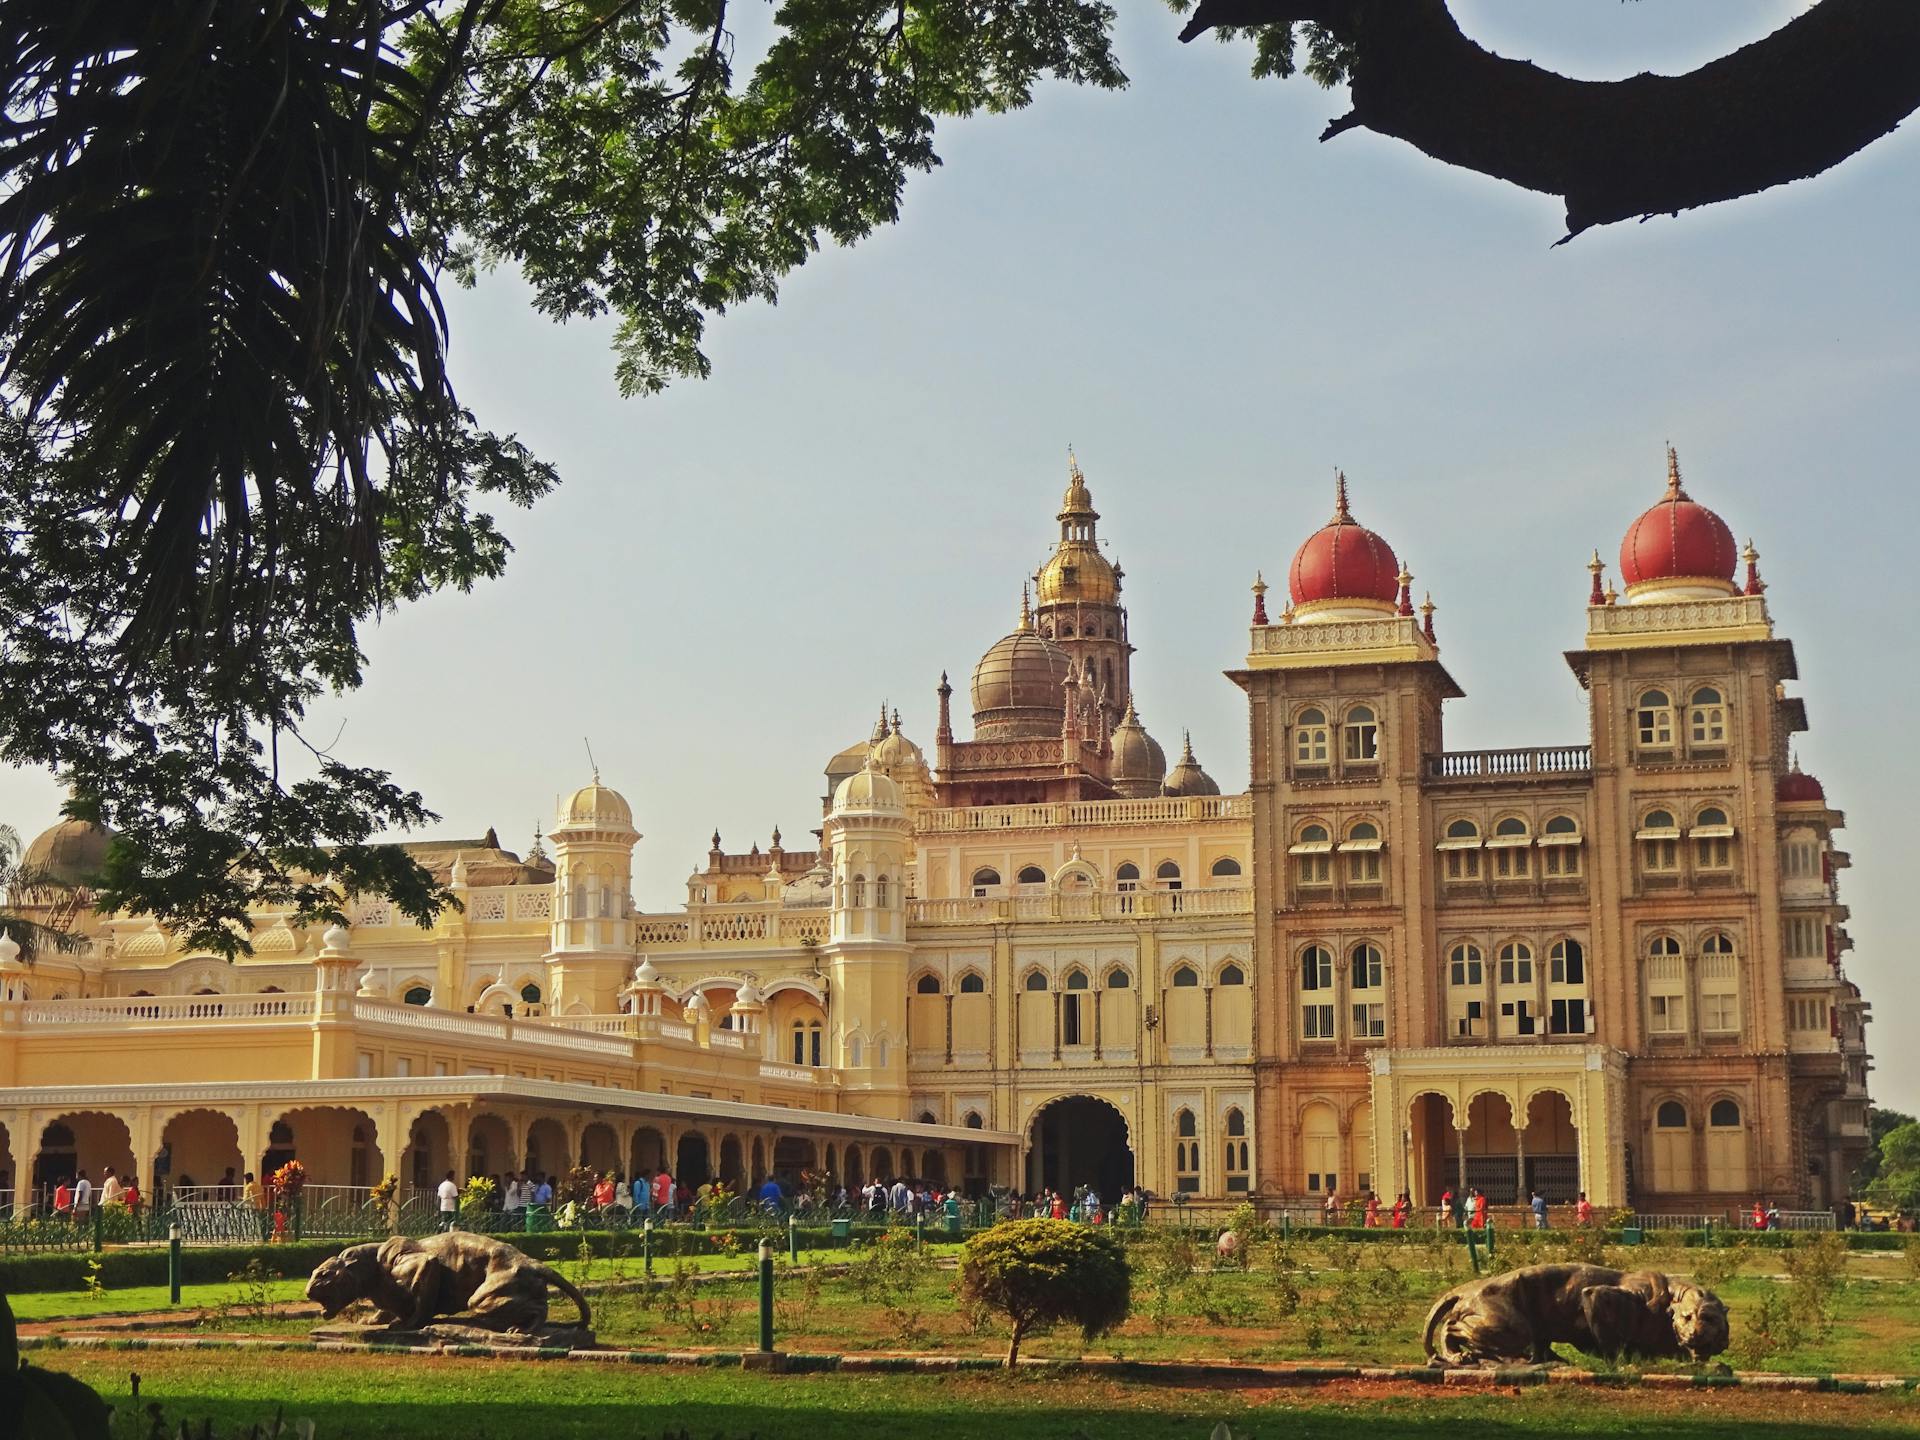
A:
[1036,980]
[1719,985]
[1567,967]
[1712,839]
[1127,877]
[1466,982]
[927,985]
[1232,974]
[1671,1115]
[1666,987]
[1311,740]
[1238,1170]
[984,880]
[1560,846]
[1316,992]
[1076,980]
[1032,875]
[880,1053]
[1185,977]
[418,995]
[926,1118]
[1659,838]
[1118,979]
[1516,963]
[1653,720]
[1362,849]
[972,984]
[880,892]
[1362,744]
[1724,1115]
[856,1052]
[1366,968]
[1313,856]
[1168,875]
[1512,849]
[1186,1153]
[1225,867]
[1366,976]
[1462,847]
[859,892]
[1707,719]
[530,994]
[973,1120]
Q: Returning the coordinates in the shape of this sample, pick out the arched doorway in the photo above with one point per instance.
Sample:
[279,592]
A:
[202,1150]
[1431,1161]
[600,1148]
[489,1147]
[730,1165]
[792,1154]
[693,1167]
[649,1151]
[547,1150]
[1077,1141]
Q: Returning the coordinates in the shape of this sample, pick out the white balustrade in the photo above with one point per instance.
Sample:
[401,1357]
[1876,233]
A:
[168,1009]
[1161,810]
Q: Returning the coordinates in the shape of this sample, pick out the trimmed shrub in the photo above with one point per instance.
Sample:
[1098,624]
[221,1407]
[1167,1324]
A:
[1040,1272]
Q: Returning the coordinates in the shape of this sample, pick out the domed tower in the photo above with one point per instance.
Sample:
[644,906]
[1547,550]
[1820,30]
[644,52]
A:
[592,899]
[869,836]
[1186,777]
[1078,599]
[1139,764]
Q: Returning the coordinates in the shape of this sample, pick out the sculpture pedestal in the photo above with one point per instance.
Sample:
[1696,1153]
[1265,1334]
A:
[442,1334]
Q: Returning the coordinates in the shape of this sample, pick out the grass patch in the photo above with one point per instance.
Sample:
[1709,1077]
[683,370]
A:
[428,1398]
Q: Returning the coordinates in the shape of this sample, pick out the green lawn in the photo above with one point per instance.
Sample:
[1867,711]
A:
[431,1398]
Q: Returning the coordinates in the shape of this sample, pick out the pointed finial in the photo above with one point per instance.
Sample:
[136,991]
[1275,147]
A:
[1026,607]
[716,839]
[1755,585]
[1405,577]
[1612,594]
[1596,596]
[946,687]
[1341,515]
[896,719]
[776,837]
[1259,598]
[1073,465]
[1426,618]
[1674,492]
[1186,747]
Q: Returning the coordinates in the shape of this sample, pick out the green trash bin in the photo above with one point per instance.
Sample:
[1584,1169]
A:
[953,1226]
[1630,1235]
[842,1229]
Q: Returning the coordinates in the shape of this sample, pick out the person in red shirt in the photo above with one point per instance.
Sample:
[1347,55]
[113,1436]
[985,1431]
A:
[603,1193]
[1400,1209]
[1759,1216]
[663,1194]
[1476,1210]
[1373,1211]
[132,1195]
[1059,1206]
[1583,1210]
[63,1202]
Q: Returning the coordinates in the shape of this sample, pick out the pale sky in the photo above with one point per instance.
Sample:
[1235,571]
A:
[1215,310]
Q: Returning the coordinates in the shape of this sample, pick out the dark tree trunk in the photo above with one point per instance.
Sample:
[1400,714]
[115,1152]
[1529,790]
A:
[1798,102]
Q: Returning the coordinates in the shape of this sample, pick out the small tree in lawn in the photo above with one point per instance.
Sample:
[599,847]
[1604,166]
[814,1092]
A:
[1040,1272]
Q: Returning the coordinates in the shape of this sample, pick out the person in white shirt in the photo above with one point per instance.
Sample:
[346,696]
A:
[82,1197]
[112,1192]
[515,1198]
[449,1201]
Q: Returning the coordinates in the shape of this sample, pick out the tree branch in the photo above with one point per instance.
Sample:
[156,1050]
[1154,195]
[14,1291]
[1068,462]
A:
[1787,107]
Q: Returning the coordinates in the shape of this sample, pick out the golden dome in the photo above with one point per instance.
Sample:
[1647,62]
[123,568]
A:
[1139,764]
[867,792]
[74,852]
[597,807]
[1186,777]
[1077,572]
[1018,686]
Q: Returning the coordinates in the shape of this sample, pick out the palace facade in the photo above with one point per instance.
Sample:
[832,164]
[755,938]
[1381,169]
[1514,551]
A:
[1043,956]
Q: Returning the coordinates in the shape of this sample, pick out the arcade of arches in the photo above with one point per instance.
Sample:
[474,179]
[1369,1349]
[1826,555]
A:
[1079,1140]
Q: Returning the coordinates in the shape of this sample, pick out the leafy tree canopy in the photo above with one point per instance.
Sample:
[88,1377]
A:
[1898,1183]
[227,437]
[1879,1124]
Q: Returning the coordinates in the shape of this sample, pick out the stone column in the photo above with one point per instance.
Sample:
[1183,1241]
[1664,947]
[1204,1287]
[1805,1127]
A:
[1460,1133]
[1520,1158]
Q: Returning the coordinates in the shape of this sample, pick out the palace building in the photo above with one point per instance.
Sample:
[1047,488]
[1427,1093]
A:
[1041,956]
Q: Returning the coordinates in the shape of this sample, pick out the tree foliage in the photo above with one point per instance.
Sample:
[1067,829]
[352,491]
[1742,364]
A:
[21,881]
[1044,1272]
[1897,1185]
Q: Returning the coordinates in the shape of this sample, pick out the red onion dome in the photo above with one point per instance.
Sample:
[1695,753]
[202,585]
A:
[1678,539]
[1343,560]
[1797,785]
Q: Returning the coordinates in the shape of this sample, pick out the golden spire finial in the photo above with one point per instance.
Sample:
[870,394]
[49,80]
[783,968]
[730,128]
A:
[1026,606]
[1073,466]
[1674,492]
[1341,515]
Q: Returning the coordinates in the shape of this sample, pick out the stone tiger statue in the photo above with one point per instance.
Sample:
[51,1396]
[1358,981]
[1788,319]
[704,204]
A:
[485,1282]
[1517,1318]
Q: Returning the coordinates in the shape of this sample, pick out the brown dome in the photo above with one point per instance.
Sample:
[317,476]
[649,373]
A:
[1186,777]
[1018,685]
[74,852]
[1139,764]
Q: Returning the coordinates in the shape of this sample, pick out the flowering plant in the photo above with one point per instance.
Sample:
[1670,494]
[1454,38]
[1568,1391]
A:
[288,1180]
[383,1193]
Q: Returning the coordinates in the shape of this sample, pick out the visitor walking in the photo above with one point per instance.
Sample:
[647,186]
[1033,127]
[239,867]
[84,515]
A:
[1446,1206]
[449,1201]
[82,1197]
[1583,1211]
[1401,1208]
[112,1190]
[1539,1204]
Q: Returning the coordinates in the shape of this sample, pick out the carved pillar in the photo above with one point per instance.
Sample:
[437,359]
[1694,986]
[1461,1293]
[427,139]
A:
[1460,1134]
[1520,1159]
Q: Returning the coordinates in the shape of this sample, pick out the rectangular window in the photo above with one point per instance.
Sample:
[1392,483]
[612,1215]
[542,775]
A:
[1316,1022]
[1569,1017]
[1070,1020]
[1463,865]
[1471,1020]
[1516,1017]
[1660,857]
[1511,862]
[1369,1022]
[1561,861]
[1668,1014]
